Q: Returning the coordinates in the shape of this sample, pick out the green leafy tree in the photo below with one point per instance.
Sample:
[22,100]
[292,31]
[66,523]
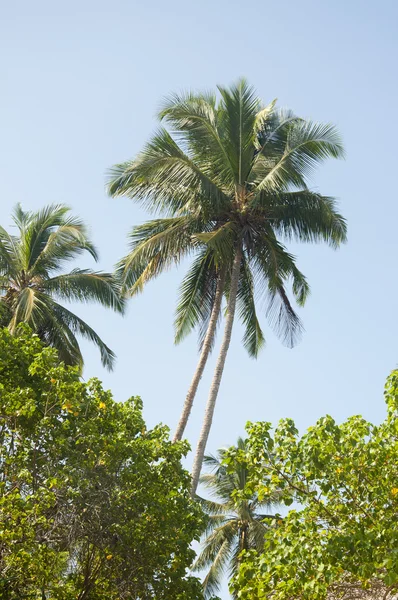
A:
[93,505]
[231,183]
[340,539]
[31,281]
[233,525]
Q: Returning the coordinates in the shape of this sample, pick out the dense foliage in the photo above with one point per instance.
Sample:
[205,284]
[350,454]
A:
[92,504]
[340,538]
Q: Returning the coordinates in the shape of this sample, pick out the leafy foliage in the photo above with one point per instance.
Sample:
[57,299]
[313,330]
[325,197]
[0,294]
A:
[339,541]
[92,503]
[31,283]
[230,172]
[233,525]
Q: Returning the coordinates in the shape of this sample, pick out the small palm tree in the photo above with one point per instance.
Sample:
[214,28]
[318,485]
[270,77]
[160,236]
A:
[31,282]
[231,185]
[232,526]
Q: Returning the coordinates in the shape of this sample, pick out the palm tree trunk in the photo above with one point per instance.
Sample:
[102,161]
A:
[243,541]
[211,402]
[207,343]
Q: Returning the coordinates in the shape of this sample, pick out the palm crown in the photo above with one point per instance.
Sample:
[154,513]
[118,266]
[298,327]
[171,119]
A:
[31,282]
[234,175]
[232,525]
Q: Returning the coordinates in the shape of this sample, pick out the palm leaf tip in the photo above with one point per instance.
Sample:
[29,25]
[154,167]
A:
[85,285]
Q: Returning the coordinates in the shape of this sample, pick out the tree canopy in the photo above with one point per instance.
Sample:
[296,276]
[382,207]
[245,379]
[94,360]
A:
[92,503]
[340,538]
[32,282]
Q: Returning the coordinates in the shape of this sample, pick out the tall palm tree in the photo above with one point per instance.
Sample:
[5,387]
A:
[230,184]
[31,282]
[232,525]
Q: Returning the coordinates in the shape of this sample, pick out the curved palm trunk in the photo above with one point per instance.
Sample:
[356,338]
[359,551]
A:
[211,402]
[204,355]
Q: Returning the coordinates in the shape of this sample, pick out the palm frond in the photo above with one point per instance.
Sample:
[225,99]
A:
[283,318]
[257,531]
[306,144]
[76,325]
[197,294]
[213,542]
[304,216]
[300,287]
[213,508]
[56,326]
[272,127]
[273,267]
[26,308]
[54,332]
[220,480]
[222,241]
[216,553]
[155,246]
[219,486]
[194,118]
[238,111]
[35,228]
[262,119]
[164,179]
[213,522]
[66,242]
[213,462]
[40,312]
[85,285]
[253,339]
[48,237]
[9,264]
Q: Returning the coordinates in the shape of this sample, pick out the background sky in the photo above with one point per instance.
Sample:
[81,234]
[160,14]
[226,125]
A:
[80,86]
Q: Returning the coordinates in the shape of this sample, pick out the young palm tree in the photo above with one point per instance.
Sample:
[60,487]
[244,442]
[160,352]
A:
[232,526]
[230,183]
[31,282]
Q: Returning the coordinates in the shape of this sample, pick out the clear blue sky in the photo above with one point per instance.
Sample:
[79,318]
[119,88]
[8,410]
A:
[81,82]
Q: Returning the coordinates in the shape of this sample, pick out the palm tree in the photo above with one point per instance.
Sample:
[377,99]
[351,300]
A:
[232,525]
[31,282]
[230,184]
